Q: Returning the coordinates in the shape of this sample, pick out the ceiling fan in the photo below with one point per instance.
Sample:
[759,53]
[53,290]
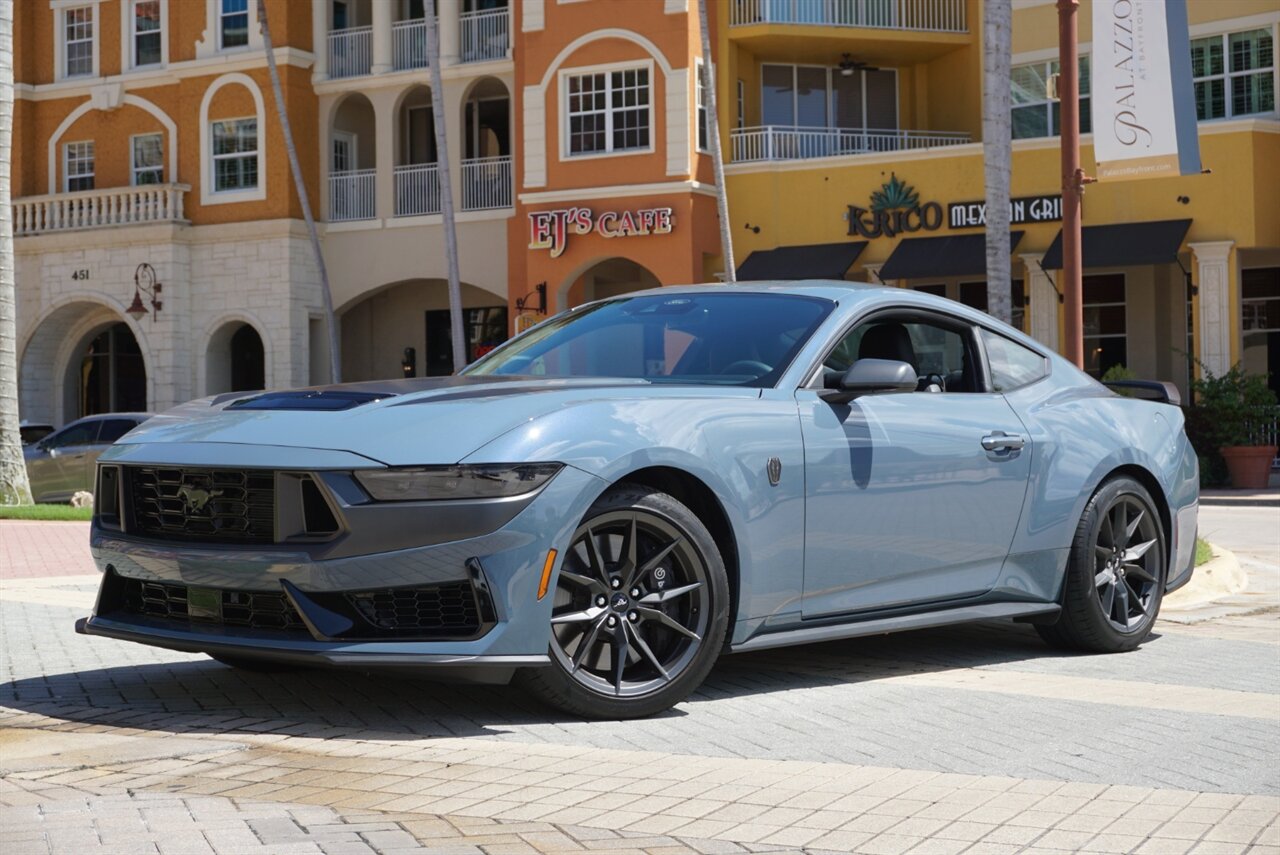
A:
[848,65]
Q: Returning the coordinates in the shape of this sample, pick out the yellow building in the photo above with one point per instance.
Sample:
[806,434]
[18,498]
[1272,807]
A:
[854,127]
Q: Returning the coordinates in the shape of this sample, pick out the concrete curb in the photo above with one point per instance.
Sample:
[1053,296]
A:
[1220,576]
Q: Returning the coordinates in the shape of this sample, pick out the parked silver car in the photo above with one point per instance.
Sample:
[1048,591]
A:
[63,463]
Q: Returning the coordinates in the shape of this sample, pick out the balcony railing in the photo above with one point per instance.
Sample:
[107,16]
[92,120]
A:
[409,44]
[417,190]
[92,209]
[782,142]
[486,183]
[936,16]
[484,35]
[351,195]
[350,52]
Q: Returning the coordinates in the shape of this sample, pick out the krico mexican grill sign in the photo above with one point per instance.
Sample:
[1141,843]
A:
[551,229]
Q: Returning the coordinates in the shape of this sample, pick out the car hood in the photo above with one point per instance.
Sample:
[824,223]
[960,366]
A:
[426,421]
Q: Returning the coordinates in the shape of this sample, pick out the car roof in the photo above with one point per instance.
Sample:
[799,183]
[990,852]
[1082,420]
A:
[97,417]
[830,289]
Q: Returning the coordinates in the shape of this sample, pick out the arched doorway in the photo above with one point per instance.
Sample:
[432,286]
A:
[608,278]
[352,156]
[235,360]
[108,376]
[402,330]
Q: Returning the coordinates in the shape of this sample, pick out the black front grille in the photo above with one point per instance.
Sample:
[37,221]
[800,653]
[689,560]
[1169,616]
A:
[223,505]
[253,609]
[449,609]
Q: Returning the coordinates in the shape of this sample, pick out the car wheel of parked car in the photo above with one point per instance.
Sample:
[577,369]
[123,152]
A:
[1115,574]
[641,605]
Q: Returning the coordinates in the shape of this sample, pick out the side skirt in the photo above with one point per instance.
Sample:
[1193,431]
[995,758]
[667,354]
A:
[897,623]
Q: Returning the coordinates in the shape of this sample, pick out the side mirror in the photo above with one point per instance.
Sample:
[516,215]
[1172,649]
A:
[871,377]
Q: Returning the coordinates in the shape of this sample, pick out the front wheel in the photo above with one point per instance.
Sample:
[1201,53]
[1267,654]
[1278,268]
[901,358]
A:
[640,609]
[1115,573]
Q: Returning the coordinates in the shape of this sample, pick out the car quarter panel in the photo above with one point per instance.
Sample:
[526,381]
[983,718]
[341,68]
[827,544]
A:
[724,438]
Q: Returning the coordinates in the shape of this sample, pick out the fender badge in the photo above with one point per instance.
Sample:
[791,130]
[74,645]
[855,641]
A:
[774,469]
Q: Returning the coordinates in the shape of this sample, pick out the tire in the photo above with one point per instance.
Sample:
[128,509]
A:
[248,663]
[1111,575]
[665,605]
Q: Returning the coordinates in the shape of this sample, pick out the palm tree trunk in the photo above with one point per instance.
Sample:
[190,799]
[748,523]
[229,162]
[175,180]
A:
[997,151]
[713,140]
[14,487]
[446,192]
[331,322]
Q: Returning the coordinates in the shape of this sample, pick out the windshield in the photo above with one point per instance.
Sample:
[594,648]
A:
[732,339]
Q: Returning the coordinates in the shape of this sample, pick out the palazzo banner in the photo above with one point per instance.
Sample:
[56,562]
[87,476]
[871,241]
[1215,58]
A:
[1144,112]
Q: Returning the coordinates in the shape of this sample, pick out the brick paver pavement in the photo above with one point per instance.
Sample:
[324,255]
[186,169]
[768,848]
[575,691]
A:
[972,739]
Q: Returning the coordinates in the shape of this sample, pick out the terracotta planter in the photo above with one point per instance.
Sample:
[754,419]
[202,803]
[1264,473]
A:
[1249,465]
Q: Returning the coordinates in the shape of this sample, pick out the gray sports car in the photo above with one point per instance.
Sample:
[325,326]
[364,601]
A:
[608,502]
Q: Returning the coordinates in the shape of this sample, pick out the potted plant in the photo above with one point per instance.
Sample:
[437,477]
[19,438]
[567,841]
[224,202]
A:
[1235,408]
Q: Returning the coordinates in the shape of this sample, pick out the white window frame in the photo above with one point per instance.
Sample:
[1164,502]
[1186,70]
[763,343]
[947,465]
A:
[134,168]
[129,35]
[61,10]
[700,110]
[214,158]
[220,13]
[1046,103]
[67,160]
[226,197]
[606,69]
[1227,74]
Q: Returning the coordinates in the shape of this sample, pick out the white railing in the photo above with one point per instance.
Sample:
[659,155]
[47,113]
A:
[351,195]
[350,52]
[486,183]
[417,190]
[484,35]
[937,16]
[409,44]
[92,209]
[783,142]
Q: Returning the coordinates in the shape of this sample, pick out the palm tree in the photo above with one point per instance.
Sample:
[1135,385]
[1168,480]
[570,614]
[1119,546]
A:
[335,362]
[997,151]
[708,82]
[14,488]
[446,193]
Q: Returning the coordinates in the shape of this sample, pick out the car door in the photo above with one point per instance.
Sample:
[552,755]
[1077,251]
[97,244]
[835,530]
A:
[910,498]
[59,461]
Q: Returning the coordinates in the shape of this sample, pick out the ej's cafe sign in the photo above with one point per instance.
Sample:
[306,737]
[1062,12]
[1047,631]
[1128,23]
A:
[551,229]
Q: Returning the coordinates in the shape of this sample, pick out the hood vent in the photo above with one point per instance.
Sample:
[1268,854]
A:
[309,399]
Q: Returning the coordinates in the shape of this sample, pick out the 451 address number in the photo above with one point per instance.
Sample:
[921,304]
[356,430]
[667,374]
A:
[79,275]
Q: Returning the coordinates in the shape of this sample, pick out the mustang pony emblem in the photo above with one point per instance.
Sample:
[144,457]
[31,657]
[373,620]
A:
[194,499]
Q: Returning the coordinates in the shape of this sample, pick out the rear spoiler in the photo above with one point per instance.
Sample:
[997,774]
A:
[1148,390]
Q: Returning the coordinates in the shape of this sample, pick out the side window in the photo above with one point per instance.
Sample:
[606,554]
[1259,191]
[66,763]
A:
[941,356]
[113,429]
[1012,365]
[81,434]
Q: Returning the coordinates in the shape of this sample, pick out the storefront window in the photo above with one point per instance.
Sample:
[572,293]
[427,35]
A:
[1260,323]
[1035,114]
[1235,74]
[1105,328]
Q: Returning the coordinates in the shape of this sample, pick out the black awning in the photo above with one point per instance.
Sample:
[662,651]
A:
[934,257]
[815,261]
[1154,242]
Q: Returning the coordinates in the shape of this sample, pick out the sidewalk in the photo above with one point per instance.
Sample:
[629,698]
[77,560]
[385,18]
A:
[1268,498]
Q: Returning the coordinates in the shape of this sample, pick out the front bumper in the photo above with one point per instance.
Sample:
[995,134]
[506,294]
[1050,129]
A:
[321,594]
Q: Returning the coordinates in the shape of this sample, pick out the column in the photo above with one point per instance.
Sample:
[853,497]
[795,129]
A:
[450,25]
[873,273]
[320,40]
[451,102]
[1216,322]
[381,36]
[384,118]
[1042,301]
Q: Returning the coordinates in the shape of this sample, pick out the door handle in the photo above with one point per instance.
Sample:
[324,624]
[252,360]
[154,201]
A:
[998,440]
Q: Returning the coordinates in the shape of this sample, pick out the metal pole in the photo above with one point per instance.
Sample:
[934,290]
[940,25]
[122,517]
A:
[1072,178]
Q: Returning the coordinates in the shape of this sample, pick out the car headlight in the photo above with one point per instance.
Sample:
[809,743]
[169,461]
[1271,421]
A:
[432,483]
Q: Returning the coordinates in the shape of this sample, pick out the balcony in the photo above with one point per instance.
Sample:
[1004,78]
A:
[484,35]
[486,183]
[782,142]
[409,44]
[96,209]
[351,195]
[417,189]
[350,52]
[930,16]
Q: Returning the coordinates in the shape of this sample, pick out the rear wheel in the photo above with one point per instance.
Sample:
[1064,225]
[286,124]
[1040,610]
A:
[641,606]
[1116,572]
